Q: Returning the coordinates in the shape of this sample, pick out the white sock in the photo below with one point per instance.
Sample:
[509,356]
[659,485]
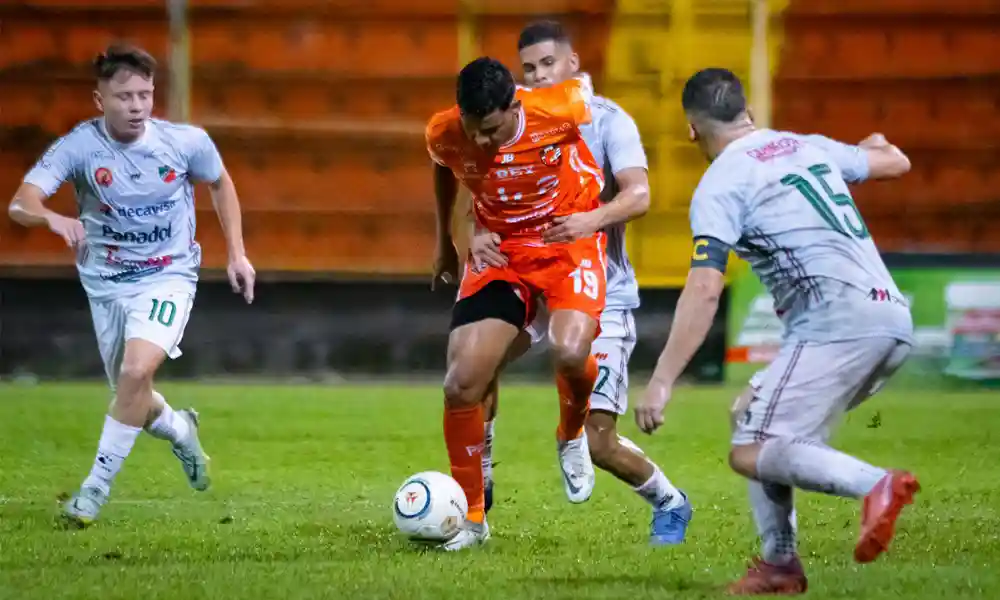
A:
[488,450]
[774,514]
[659,492]
[116,442]
[811,466]
[169,425]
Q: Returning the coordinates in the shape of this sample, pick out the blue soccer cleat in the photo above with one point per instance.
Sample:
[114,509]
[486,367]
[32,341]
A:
[670,524]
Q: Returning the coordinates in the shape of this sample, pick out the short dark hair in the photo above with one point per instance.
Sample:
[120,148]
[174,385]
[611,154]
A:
[715,94]
[484,86]
[123,56]
[542,31]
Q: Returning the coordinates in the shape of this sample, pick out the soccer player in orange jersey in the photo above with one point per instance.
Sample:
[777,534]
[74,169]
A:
[521,155]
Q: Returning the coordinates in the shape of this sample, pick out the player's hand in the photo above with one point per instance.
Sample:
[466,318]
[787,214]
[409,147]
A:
[69,229]
[485,249]
[572,227]
[649,412]
[445,263]
[242,277]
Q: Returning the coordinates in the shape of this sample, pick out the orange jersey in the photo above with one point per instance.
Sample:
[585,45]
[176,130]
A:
[544,172]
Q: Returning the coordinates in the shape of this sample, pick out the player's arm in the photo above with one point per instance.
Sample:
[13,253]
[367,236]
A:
[696,307]
[716,221]
[205,166]
[873,158]
[445,196]
[623,147]
[885,160]
[27,207]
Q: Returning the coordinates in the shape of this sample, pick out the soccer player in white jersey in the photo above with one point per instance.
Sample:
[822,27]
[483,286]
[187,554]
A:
[136,253]
[548,58]
[780,200]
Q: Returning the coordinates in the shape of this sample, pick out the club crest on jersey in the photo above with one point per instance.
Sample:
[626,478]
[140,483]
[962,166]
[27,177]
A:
[167,174]
[551,156]
[103,176]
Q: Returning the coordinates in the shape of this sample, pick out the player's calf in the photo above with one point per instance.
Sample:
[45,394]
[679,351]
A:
[476,349]
[671,508]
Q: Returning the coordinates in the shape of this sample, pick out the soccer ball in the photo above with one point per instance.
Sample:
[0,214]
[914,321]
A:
[429,507]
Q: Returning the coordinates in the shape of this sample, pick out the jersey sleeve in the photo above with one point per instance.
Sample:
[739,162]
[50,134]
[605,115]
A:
[718,210]
[622,144]
[56,166]
[435,136]
[850,159]
[579,92]
[204,160]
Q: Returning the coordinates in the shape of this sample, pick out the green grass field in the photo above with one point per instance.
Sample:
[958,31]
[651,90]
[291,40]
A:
[304,477]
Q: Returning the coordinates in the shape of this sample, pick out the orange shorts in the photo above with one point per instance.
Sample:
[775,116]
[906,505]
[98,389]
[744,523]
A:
[567,276]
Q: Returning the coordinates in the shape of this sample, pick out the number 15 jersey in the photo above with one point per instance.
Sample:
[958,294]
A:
[781,201]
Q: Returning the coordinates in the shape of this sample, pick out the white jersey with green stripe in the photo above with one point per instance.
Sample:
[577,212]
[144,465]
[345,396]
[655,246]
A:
[780,200]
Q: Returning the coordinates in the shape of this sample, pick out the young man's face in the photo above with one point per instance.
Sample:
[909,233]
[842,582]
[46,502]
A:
[548,63]
[493,130]
[126,101]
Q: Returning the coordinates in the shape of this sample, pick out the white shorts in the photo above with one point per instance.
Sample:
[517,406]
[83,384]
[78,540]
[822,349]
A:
[158,315]
[810,385]
[612,349]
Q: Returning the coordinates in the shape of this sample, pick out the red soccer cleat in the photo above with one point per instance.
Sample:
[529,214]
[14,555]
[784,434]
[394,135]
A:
[880,510]
[764,578]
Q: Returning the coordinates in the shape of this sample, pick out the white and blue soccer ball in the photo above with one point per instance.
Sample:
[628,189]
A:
[429,507]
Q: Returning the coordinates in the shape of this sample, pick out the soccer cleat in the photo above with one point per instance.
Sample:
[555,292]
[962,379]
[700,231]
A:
[766,579]
[669,525]
[577,468]
[471,534]
[82,509]
[880,510]
[190,453]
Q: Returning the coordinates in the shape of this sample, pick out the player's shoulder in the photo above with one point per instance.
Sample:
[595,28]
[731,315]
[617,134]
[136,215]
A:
[444,124]
[83,133]
[184,132]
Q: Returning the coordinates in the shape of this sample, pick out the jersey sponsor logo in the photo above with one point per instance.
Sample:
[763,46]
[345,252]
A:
[150,210]
[103,176]
[884,295]
[167,174]
[506,159]
[775,149]
[541,135]
[513,172]
[133,269]
[156,234]
[551,156]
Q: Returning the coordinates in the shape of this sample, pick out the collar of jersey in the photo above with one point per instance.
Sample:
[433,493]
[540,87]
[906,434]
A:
[520,129]
[145,134]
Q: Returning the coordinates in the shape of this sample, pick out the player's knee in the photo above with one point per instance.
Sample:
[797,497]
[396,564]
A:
[462,387]
[570,356]
[135,375]
[743,459]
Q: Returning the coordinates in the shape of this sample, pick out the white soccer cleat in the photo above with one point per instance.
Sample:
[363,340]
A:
[190,453]
[470,535]
[82,509]
[577,469]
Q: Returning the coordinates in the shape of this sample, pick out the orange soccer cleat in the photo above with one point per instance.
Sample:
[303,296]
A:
[880,510]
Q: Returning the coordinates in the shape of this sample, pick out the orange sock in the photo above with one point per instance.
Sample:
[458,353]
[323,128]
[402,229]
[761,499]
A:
[574,400]
[464,436]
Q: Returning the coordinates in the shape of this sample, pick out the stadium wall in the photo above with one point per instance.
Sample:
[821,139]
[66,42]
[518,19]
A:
[320,330]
